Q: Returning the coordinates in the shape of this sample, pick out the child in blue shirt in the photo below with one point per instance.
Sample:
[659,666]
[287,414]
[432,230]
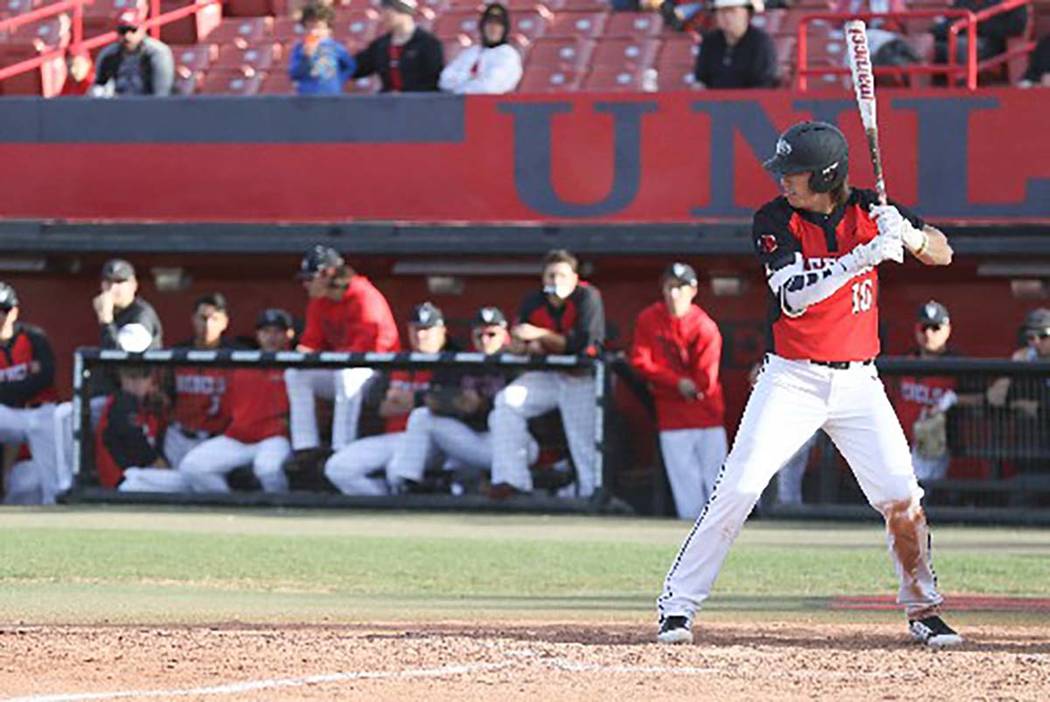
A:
[320,65]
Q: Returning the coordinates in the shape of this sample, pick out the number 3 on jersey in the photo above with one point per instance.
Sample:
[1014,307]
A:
[862,296]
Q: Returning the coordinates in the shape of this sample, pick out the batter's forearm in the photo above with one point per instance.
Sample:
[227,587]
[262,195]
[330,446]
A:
[935,251]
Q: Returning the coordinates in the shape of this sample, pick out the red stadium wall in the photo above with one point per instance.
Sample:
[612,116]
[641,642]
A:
[665,157]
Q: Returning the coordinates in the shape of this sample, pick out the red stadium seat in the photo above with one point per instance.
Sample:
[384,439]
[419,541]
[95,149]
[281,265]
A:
[231,83]
[242,30]
[357,28]
[277,82]
[769,21]
[454,47]
[675,77]
[192,28]
[451,25]
[530,24]
[260,57]
[186,81]
[633,24]
[586,5]
[544,79]
[561,54]
[287,29]
[195,58]
[586,25]
[619,81]
[677,52]
[51,33]
[625,53]
[249,8]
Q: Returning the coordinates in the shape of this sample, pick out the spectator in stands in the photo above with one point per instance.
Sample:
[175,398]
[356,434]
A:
[407,58]
[492,67]
[258,430]
[319,65]
[887,46]
[678,14]
[136,64]
[565,316]
[129,436]
[677,348]
[992,33]
[347,313]
[454,418]
[736,54]
[27,397]
[200,407]
[1038,72]
[363,466]
[126,321]
[80,73]
[1036,332]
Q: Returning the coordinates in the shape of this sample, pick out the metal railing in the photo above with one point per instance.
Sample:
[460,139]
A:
[967,22]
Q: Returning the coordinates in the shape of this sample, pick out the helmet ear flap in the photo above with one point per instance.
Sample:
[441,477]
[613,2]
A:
[828,178]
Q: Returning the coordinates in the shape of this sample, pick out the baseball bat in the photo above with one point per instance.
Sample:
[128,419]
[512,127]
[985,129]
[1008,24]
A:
[864,87]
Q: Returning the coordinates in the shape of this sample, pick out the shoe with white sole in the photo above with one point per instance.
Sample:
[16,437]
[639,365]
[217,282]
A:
[675,630]
[933,632]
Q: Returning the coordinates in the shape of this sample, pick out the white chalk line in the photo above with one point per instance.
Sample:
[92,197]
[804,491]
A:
[559,664]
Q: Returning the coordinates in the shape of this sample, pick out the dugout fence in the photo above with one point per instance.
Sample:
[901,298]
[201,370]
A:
[555,473]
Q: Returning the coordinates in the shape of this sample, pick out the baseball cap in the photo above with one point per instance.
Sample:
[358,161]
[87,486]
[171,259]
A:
[427,315]
[118,270]
[274,317]
[489,317]
[1038,320]
[317,258]
[128,19]
[8,297]
[757,5]
[933,313]
[682,273]
[407,7]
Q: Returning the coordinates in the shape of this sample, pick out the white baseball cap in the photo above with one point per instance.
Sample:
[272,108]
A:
[756,5]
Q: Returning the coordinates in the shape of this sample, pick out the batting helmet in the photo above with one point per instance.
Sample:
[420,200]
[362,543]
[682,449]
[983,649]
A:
[8,297]
[316,259]
[814,147]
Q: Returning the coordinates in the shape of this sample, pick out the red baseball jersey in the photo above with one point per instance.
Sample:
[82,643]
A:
[200,399]
[360,322]
[666,349]
[27,368]
[844,326]
[258,404]
[917,393]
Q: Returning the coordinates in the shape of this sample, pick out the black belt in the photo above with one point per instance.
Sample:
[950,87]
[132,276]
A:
[843,365]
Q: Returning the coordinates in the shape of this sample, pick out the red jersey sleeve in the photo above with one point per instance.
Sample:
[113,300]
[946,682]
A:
[708,354]
[312,336]
[644,355]
[375,328]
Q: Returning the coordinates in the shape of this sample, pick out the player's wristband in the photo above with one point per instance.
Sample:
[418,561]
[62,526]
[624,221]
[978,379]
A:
[914,239]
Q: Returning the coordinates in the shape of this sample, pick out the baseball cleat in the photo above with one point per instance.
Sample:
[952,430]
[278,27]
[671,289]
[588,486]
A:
[674,630]
[933,632]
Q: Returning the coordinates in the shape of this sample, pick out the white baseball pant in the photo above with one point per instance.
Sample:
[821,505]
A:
[360,468]
[344,386]
[428,434]
[36,427]
[153,480]
[22,484]
[790,401]
[207,466]
[930,468]
[177,444]
[789,479]
[529,396]
[692,459]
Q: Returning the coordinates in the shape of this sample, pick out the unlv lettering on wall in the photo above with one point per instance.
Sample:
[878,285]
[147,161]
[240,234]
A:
[663,158]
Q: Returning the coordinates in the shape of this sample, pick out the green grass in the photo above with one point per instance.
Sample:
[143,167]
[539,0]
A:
[120,564]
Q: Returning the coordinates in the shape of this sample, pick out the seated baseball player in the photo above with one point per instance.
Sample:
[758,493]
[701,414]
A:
[27,397]
[129,436]
[454,418]
[565,316]
[200,408]
[361,467]
[677,348]
[258,430]
[345,313]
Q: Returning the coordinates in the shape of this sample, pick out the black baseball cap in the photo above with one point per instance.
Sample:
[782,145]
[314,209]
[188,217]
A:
[933,313]
[682,273]
[489,317]
[426,315]
[274,317]
[8,297]
[316,259]
[1038,320]
[118,270]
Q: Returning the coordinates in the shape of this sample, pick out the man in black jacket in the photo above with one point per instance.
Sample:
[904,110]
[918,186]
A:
[992,33]
[736,54]
[135,64]
[126,322]
[407,58]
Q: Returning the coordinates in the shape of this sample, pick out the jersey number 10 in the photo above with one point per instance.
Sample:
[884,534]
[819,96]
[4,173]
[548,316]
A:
[862,296]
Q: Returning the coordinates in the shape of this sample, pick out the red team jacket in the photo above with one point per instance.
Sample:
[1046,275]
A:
[127,436]
[416,382]
[201,399]
[843,327]
[667,348]
[258,404]
[27,369]
[360,322]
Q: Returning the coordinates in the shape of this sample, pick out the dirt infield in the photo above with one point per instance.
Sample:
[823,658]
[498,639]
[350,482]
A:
[517,660]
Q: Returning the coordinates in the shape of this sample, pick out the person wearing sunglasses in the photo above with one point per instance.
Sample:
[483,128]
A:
[135,64]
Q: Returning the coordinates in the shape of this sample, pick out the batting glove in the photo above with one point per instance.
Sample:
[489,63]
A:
[889,219]
[884,247]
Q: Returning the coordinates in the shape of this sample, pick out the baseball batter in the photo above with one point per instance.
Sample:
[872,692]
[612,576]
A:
[258,430]
[677,348]
[566,316]
[345,313]
[821,243]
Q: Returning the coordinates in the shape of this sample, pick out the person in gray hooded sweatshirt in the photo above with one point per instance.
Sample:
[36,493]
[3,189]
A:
[134,65]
